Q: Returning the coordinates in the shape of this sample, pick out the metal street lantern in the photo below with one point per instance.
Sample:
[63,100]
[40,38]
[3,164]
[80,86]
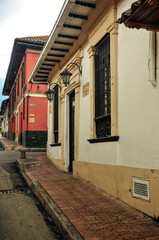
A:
[66,74]
[66,80]
[50,94]
[66,77]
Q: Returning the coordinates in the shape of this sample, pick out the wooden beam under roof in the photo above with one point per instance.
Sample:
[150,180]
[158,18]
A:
[138,25]
[85,4]
[52,60]
[64,43]
[59,49]
[48,64]
[55,55]
[46,69]
[45,73]
[68,36]
[72,26]
[40,76]
[83,17]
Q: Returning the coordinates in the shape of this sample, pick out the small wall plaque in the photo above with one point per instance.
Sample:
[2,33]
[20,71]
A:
[32,120]
[86,89]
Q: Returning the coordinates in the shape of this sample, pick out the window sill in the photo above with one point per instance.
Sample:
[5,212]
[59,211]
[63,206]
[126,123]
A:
[55,144]
[104,139]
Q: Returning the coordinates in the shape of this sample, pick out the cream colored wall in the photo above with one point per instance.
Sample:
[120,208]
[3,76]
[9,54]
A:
[5,121]
[50,123]
[99,152]
[138,102]
[55,152]
[111,165]
[84,117]
[122,6]
[84,151]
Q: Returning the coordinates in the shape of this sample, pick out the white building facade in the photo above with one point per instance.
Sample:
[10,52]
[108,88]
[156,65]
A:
[5,114]
[104,125]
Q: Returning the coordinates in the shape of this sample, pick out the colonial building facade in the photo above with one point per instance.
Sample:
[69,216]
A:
[103,125]
[27,101]
[5,114]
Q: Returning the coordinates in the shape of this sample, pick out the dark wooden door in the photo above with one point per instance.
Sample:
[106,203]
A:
[71,129]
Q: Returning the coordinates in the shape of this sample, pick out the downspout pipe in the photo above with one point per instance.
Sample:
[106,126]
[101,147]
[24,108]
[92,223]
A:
[152,58]
[27,110]
[40,82]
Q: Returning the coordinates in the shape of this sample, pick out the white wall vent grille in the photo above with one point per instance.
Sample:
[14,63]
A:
[141,188]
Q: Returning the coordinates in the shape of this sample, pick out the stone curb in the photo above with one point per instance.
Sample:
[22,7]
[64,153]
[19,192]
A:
[7,148]
[66,228]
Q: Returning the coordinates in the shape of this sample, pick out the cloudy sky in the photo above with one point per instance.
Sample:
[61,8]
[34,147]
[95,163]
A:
[20,18]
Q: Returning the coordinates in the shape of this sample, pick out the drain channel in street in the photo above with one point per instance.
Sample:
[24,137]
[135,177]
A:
[21,215]
[1,147]
[12,191]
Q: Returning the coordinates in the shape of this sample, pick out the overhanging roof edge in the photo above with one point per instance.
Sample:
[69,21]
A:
[65,8]
[25,44]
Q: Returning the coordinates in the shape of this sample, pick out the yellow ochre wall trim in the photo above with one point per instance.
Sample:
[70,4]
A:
[117,181]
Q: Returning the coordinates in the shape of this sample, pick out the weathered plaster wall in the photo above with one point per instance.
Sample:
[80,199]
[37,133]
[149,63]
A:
[138,102]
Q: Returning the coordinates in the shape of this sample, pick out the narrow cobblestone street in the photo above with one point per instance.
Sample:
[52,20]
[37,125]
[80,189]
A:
[21,215]
[91,213]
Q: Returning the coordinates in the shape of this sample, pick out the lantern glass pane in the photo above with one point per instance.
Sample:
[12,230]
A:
[66,77]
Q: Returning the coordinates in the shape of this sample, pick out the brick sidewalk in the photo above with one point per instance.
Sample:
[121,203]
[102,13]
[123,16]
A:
[94,214]
[9,144]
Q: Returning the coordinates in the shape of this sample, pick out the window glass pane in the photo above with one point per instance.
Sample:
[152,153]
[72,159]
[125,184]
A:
[103,87]
[56,114]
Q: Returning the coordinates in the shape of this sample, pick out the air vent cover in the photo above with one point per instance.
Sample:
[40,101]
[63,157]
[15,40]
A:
[141,188]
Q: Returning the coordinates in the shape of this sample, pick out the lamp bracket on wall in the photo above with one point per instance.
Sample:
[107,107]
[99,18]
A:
[56,84]
[66,74]
[50,92]
[73,63]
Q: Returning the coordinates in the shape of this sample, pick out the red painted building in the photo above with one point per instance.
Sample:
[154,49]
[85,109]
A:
[27,101]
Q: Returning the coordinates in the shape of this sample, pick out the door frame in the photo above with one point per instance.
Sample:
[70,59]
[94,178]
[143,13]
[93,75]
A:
[74,88]
[71,129]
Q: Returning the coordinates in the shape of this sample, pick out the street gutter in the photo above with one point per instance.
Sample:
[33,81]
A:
[68,231]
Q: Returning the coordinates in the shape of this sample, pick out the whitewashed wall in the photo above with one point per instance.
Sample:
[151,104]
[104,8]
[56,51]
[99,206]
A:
[84,127]
[138,100]
[101,153]
[138,105]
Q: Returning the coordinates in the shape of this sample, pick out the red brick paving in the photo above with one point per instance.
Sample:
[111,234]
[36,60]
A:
[95,215]
[9,144]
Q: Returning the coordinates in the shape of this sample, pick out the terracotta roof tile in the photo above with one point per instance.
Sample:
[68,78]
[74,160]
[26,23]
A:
[142,14]
[125,15]
[36,39]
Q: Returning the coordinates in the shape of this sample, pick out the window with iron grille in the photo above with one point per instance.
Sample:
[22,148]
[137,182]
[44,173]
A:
[103,88]
[56,114]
